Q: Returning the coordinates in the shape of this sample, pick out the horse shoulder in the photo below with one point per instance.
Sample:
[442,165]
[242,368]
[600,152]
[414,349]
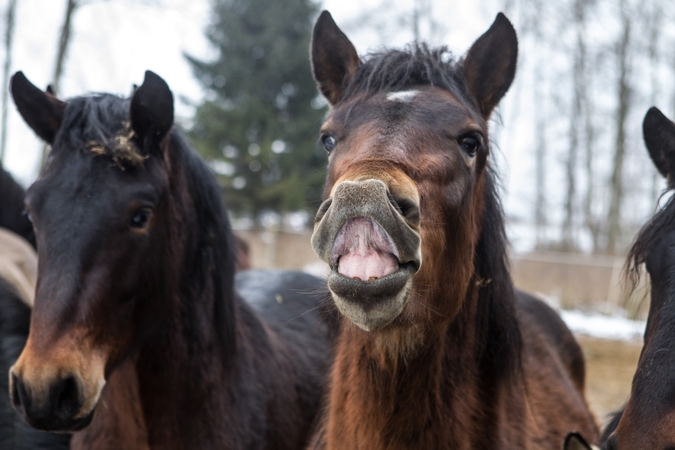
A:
[554,370]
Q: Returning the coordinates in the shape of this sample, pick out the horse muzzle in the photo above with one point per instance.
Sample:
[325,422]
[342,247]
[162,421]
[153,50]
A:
[56,397]
[370,240]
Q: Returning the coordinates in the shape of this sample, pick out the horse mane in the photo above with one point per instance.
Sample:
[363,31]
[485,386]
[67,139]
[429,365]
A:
[415,65]
[645,239]
[12,208]
[103,118]
[499,342]
[215,263]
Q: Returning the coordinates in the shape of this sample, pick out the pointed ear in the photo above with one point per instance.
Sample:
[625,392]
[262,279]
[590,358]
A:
[41,110]
[334,58]
[574,441]
[151,110]
[659,135]
[490,64]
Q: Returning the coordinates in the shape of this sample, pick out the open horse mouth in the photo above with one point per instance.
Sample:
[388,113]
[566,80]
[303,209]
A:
[372,251]
[362,250]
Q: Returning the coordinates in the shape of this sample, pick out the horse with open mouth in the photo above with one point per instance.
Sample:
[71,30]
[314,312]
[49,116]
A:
[138,339]
[436,350]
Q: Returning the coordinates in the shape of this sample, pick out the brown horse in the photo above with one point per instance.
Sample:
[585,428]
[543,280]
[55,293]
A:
[18,275]
[137,337]
[648,419]
[436,350]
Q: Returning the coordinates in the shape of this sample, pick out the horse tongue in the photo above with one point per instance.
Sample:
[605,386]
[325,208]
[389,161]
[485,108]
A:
[367,265]
[366,251]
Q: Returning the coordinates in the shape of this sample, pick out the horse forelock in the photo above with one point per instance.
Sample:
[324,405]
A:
[400,70]
[121,148]
[99,123]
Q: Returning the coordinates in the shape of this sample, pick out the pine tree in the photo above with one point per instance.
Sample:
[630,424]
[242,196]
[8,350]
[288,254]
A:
[259,122]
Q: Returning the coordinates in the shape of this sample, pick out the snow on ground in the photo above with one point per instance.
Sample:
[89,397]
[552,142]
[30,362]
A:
[603,326]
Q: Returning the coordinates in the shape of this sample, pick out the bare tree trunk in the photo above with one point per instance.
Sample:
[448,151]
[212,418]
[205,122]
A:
[9,37]
[540,220]
[589,218]
[590,222]
[624,97]
[64,41]
[655,22]
[416,20]
[568,231]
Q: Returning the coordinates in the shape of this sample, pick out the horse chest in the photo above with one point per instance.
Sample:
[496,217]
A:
[119,421]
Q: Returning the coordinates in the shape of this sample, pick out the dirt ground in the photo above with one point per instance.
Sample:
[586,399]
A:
[610,366]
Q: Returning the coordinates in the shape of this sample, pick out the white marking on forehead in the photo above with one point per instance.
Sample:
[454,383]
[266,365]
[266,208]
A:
[402,96]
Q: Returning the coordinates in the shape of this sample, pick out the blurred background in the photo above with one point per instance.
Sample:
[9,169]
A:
[577,182]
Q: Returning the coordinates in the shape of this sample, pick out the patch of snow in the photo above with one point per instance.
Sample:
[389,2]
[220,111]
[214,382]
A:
[603,326]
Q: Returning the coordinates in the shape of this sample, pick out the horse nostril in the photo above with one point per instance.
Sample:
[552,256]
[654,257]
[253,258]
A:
[20,399]
[65,396]
[323,209]
[407,208]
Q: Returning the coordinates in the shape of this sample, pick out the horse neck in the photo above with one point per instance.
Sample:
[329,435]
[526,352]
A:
[378,401]
[657,357]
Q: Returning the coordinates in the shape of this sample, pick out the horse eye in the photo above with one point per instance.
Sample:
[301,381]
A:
[140,218]
[470,144]
[329,142]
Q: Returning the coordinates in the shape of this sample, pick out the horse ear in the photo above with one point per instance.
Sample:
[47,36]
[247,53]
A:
[490,64]
[151,110]
[659,135]
[574,441]
[41,110]
[334,58]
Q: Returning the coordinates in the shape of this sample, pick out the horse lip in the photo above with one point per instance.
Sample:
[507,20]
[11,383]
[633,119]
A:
[372,305]
[63,427]
[370,291]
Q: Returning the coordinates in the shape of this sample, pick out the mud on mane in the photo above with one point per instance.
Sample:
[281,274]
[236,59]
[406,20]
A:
[90,121]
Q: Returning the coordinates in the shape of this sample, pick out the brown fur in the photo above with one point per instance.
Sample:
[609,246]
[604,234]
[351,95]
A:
[434,378]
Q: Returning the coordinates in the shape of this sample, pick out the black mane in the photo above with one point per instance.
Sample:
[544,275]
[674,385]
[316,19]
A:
[415,65]
[646,239]
[499,348]
[95,117]
[209,267]
[12,207]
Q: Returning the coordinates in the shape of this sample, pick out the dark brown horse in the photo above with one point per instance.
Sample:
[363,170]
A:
[648,420]
[18,270]
[436,350]
[138,339]
[12,211]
